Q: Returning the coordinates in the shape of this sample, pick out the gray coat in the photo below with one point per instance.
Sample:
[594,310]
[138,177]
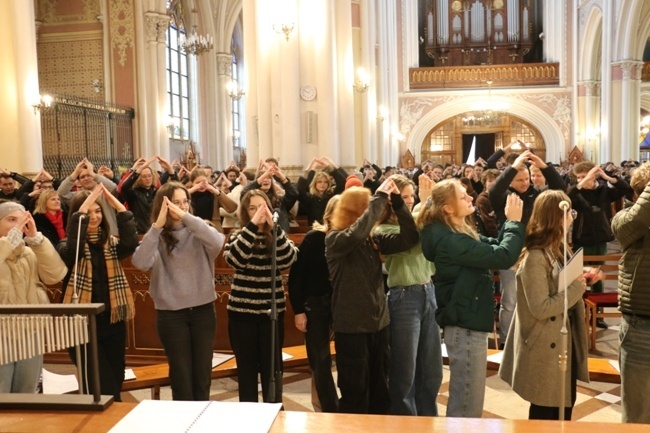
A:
[534,344]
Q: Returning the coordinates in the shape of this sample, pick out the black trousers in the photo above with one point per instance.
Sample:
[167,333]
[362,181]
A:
[111,350]
[362,361]
[251,343]
[317,340]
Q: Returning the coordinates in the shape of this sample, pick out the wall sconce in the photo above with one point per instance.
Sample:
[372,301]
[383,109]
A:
[44,103]
[361,84]
[97,85]
[234,92]
[285,29]
[382,113]
[397,134]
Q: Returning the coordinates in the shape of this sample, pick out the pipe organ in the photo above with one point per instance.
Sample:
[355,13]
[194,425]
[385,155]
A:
[479,32]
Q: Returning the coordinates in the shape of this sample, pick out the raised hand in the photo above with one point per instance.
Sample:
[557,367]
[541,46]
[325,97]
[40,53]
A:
[388,187]
[111,199]
[137,164]
[161,220]
[425,187]
[514,207]
[174,210]
[28,225]
[92,198]
[262,215]
[165,164]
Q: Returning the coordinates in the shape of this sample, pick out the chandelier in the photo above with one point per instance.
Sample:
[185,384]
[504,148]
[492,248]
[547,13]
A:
[489,113]
[195,43]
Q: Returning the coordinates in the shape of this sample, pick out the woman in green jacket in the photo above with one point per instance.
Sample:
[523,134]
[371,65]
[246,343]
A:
[463,280]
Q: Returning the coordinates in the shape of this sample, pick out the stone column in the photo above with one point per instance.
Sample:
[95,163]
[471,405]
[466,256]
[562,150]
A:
[627,105]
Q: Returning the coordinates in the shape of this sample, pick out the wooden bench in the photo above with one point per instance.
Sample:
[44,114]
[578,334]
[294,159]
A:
[157,375]
[595,303]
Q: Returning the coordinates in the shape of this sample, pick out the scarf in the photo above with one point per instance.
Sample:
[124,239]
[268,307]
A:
[57,221]
[120,296]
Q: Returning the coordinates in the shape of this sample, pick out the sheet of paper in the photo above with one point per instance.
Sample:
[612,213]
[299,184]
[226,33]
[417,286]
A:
[443,350]
[129,374]
[59,383]
[573,269]
[165,416]
[286,356]
[220,358]
[496,357]
[614,363]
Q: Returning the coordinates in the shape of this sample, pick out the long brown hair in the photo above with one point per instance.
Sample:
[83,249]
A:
[244,218]
[388,215]
[444,193]
[77,200]
[544,230]
[167,190]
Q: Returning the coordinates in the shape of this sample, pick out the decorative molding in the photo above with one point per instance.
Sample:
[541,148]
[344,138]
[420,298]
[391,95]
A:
[122,27]
[412,110]
[584,12]
[631,69]
[559,106]
[224,64]
[88,35]
[50,14]
[592,88]
[151,26]
[163,25]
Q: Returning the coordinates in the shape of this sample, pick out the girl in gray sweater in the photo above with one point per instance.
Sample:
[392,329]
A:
[180,249]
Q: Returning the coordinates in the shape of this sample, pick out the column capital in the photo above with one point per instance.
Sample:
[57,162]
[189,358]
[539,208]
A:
[151,25]
[592,87]
[163,25]
[224,63]
[631,69]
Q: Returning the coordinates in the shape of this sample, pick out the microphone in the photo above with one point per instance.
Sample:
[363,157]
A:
[564,205]
[276,215]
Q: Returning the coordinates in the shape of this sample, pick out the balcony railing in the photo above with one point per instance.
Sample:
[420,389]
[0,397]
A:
[513,75]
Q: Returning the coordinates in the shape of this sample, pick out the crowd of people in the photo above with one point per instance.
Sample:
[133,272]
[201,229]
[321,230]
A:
[396,259]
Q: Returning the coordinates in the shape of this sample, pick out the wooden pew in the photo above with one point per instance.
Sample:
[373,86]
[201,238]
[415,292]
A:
[595,303]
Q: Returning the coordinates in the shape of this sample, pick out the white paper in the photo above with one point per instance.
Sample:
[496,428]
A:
[443,350]
[129,374]
[497,358]
[165,416]
[573,269]
[59,383]
[220,358]
[286,356]
[614,363]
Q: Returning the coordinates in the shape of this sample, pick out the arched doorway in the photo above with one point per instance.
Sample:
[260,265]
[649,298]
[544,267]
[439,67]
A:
[450,140]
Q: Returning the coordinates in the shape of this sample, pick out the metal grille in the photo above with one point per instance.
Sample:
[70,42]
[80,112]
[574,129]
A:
[73,129]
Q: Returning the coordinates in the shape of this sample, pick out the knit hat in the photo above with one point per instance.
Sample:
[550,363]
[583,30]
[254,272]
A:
[352,180]
[9,207]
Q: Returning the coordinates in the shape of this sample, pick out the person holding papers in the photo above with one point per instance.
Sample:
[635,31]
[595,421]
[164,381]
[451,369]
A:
[180,250]
[533,345]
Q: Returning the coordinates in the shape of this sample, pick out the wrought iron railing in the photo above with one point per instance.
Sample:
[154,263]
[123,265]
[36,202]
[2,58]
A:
[73,128]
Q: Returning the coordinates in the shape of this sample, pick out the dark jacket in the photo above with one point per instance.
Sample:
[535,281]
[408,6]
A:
[592,226]
[45,226]
[464,289]
[312,205]
[501,189]
[140,200]
[630,227]
[283,205]
[358,299]
[309,275]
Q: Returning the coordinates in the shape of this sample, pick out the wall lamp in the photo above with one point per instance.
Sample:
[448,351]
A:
[234,92]
[285,29]
[44,103]
[362,82]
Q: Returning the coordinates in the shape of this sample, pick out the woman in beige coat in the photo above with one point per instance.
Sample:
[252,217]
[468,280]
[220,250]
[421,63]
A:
[530,359]
[23,263]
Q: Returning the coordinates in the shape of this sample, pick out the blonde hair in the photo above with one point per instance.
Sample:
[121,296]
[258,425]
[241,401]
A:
[154,178]
[317,176]
[41,203]
[640,178]
[444,193]
[353,202]
[388,215]
[327,215]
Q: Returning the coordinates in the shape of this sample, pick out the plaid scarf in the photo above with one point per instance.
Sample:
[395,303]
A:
[120,296]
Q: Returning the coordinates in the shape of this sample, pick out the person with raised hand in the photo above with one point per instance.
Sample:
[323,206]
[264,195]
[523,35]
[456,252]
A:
[248,252]
[180,249]
[359,307]
[207,200]
[321,180]
[98,277]
[464,290]
[26,259]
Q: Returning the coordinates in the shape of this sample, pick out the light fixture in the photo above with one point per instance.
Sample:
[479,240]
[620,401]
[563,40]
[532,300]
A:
[234,92]
[285,29]
[489,113]
[97,85]
[382,113]
[195,43]
[44,103]
[361,84]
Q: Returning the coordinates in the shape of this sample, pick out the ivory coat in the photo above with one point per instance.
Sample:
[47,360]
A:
[534,343]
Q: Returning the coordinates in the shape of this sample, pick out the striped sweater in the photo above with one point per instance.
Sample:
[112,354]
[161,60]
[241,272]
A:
[245,252]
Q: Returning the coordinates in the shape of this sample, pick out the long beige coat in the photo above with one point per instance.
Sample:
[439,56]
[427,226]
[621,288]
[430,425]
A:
[22,268]
[530,359]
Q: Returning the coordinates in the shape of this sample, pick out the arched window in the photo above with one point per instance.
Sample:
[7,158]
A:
[178,86]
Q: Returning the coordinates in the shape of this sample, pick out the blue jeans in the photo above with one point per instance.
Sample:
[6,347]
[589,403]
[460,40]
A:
[415,372]
[508,282]
[635,368]
[467,352]
[21,376]
[187,336]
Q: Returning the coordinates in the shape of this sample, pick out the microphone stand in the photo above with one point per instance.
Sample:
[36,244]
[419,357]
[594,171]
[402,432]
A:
[564,331]
[276,373]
